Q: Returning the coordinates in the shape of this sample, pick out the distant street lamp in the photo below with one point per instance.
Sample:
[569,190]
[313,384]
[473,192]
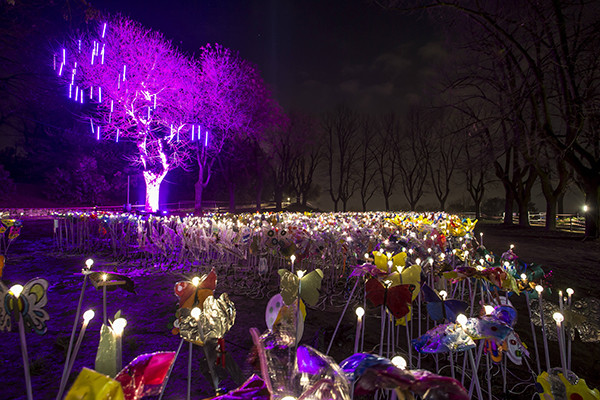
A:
[585,208]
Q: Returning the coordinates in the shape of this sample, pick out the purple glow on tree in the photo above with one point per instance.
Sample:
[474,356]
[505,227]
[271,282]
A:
[145,92]
[234,102]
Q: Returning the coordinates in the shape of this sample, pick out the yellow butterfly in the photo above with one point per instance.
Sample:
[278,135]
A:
[308,286]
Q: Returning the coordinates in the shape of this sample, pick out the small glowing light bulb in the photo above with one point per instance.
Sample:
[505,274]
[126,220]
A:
[461,319]
[104,277]
[523,277]
[443,294]
[88,315]
[418,261]
[16,290]
[539,288]
[360,312]
[195,312]
[289,398]
[119,325]
[89,262]
[488,309]
[512,246]
[293,258]
[300,274]
[399,362]
[558,317]
[195,281]
[366,256]
[570,291]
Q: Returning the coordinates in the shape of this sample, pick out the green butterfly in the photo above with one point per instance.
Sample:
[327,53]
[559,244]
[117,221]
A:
[309,286]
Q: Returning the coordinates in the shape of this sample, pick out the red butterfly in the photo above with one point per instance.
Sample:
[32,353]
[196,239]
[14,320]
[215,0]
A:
[397,298]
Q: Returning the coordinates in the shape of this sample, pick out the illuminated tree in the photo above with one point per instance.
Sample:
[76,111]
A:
[233,103]
[133,85]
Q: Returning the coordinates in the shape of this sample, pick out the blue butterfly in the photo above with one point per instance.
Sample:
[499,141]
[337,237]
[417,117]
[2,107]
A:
[440,309]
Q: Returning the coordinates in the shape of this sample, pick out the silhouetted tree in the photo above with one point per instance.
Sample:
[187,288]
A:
[342,152]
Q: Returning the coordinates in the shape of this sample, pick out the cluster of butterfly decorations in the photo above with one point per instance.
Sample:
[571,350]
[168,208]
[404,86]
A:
[10,229]
[289,369]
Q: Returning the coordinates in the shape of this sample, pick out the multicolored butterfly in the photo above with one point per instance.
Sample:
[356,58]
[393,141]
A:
[29,305]
[191,295]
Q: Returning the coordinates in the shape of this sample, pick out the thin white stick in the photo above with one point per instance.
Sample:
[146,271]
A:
[535,346]
[72,338]
[546,353]
[104,317]
[489,376]
[162,391]
[342,316]
[25,358]
[73,357]
[189,382]
[474,376]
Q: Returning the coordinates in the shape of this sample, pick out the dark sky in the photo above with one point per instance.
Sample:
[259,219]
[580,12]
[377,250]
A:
[314,53]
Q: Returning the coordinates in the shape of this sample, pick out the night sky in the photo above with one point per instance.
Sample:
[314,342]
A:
[314,54]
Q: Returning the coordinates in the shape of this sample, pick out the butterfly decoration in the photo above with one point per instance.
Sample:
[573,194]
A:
[301,372]
[487,327]
[144,376]
[581,318]
[512,346]
[494,275]
[94,385]
[444,338]
[308,286]
[29,306]
[369,373]
[253,388]
[190,295]
[396,299]
[111,280]
[554,385]
[440,309]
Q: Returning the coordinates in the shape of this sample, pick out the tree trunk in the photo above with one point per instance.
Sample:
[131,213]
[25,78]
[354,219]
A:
[153,182]
[387,203]
[442,204]
[278,198]
[335,205]
[561,203]
[523,212]
[198,188]
[508,206]
[477,209]
[551,204]
[592,201]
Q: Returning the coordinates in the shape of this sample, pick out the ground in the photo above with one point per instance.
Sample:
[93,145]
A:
[575,263]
